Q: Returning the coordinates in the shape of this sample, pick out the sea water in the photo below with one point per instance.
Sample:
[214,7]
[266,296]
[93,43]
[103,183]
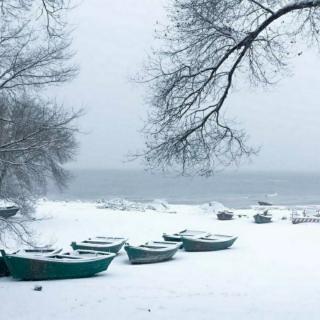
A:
[233,189]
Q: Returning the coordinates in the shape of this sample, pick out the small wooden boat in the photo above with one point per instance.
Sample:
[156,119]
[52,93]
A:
[176,237]
[7,212]
[151,253]
[225,215]
[105,244]
[263,203]
[59,266]
[262,218]
[208,243]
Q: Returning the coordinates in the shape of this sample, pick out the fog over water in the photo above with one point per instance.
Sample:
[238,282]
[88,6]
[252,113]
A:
[113,38]
[237,190]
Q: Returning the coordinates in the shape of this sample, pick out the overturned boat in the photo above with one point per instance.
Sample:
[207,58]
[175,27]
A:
[151,252]
[57,266]
[105,244]
[208,243]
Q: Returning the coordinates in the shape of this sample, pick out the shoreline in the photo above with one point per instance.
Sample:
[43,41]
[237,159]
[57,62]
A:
[269,265]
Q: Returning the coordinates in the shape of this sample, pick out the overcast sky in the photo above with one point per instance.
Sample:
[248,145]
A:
[112,39]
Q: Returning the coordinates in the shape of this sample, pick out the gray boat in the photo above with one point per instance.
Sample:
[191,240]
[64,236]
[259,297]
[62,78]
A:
[6,212]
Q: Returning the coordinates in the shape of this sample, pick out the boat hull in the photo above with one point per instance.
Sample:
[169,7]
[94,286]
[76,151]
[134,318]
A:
[138,255]
[4,271]
[173,238]
[47,268]
[8,212]
[197,245]
[263,203]
[258,218]
[224,216]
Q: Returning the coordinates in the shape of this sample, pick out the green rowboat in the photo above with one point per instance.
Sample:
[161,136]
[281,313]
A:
[262,218]
[59,266]
[151,253]
[225,215]
[105,244]
[208,243]
[184,233]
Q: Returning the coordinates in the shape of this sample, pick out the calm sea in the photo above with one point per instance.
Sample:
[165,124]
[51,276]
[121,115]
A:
[236,190]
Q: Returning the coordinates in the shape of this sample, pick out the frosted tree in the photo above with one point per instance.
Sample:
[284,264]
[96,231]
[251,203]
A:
[37,136]
[206,47]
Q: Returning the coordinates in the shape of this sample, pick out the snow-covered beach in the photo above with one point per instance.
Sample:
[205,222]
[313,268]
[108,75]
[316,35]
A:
[271,272]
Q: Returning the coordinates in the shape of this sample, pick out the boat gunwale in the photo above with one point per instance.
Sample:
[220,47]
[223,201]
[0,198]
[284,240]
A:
[64,259]
[208,240]
[153,249]
[101,244]
[24,252]
[169,243]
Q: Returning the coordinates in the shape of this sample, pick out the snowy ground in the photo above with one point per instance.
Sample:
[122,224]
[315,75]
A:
[272,272]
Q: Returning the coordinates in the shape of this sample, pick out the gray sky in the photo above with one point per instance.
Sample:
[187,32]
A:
[112,38]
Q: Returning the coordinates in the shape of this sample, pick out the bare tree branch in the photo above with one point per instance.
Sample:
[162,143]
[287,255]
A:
[208,44]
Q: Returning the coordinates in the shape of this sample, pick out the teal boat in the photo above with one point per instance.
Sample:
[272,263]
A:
[105,244]
[151,252]
[262,218]
[225,215]
[208,243]
[58,266]
[176,237]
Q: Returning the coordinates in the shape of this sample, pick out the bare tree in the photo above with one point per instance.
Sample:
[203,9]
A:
[206,47]
[36,139]
[37,135]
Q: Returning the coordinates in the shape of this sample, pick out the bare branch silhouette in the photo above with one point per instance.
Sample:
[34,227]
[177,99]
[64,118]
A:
[207,46]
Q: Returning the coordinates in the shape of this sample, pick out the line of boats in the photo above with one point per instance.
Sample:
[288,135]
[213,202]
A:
[259,218]
[94,255]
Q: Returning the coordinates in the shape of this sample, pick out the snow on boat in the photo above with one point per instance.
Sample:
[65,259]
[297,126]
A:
[225,215]
[262,218]
[161,243]
[151,252]
[58,266]
[39,251]
[105,244]
[184,233]
[208,243]
[7,212]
